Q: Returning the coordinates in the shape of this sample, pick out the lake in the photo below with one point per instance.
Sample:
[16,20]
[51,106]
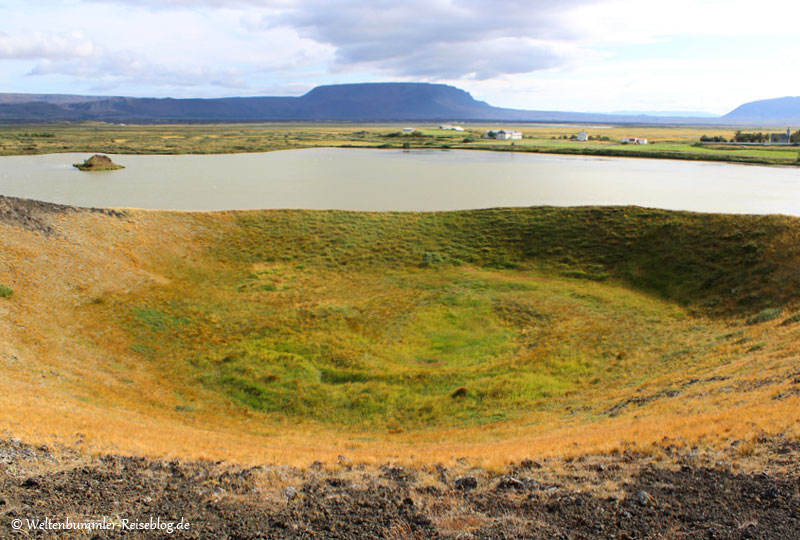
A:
[371,179]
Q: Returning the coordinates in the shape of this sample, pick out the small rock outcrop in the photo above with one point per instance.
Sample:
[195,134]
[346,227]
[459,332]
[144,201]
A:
[98,162]
[466,483]
[509,482]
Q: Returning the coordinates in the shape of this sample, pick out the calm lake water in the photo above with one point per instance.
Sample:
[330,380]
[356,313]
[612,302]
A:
[365,179]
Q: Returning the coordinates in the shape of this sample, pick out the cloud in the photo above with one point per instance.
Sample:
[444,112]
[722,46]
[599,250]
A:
[125,71]
[75,55]
[38,45]
[462,39]
[430,39]
[170,5]
[442,39]
[440,61]
[437,39]
[180,53]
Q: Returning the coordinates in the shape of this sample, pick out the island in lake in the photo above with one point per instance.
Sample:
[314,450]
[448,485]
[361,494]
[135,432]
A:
[98,162]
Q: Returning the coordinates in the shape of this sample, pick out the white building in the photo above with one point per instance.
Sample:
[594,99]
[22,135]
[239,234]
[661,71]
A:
[451,127]
[582,137]
[503,134]
[633,140]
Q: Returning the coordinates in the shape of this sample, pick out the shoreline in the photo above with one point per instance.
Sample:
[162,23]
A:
[614,153]
[668,142]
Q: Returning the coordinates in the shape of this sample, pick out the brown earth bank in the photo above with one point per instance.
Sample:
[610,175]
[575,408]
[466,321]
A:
[740,492]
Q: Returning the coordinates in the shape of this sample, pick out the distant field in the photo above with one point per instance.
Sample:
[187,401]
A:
[290,336]
[667,142]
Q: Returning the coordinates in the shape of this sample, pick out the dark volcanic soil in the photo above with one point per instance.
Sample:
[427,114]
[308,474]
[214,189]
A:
[683,494]
[31,215]
[37,216]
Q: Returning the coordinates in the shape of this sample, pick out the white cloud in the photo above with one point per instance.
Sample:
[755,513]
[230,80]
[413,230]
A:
[120,72]
[635,21]
[124,49]
[38,45]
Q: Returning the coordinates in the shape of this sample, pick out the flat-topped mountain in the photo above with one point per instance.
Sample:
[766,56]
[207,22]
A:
[392,101]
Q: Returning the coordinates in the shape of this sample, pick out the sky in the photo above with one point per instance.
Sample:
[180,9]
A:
[576,55]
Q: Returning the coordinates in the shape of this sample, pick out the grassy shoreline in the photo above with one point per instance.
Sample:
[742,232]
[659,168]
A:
[666,142]
[641,154]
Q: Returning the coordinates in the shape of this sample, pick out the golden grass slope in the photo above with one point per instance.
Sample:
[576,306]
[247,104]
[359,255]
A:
[290,336]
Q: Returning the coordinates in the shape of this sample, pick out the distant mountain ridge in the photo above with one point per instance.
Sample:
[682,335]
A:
[345,102]
[405,102]
[48,98]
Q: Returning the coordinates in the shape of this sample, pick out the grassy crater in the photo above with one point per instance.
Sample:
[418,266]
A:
[346,318]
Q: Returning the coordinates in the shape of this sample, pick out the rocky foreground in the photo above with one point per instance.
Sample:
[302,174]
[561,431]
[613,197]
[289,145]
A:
[749,491]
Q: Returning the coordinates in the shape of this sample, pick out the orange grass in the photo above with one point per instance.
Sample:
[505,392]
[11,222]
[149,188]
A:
[70,377]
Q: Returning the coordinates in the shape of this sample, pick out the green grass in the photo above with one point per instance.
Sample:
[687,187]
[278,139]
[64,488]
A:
[654,151]
[444,133]
[502,341]
[5,291]
[765,315]
[156,319]
[424,320]
[792,319]
[766,153]
[713,261]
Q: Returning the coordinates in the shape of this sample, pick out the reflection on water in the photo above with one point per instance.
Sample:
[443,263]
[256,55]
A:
[364,179]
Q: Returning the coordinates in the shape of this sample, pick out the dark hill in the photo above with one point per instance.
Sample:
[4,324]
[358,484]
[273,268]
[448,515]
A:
[393,101]
[777,111]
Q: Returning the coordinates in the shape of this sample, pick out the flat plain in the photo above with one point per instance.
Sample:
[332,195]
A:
[665,142]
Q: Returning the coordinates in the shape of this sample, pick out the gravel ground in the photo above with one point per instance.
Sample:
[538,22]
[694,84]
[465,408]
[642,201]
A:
[685,493]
